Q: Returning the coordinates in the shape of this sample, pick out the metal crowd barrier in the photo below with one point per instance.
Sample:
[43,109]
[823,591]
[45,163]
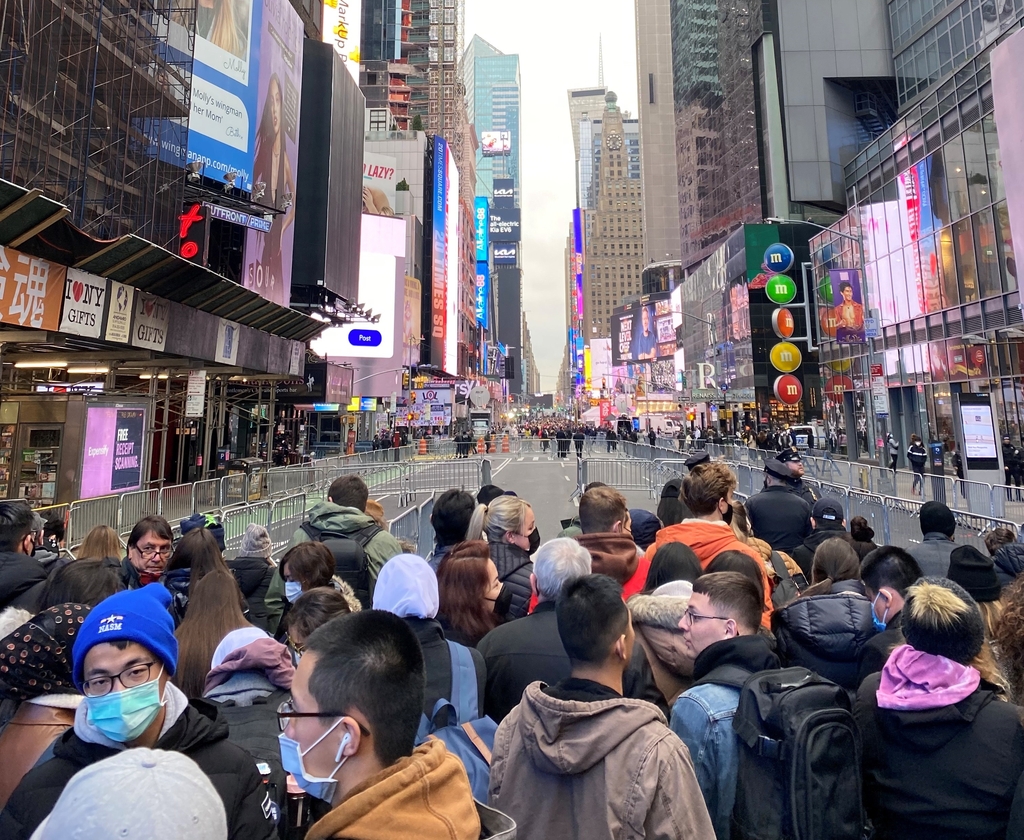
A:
[415,527]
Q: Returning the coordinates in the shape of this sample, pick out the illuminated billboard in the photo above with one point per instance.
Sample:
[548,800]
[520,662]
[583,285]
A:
[495,143]
[644,331]
[451,267]
[342,27]
[267,264]
[507,253]
[504,224]
[481,214]
[483,294]
[504,193]
[380,184]
[439,251]
[577,258]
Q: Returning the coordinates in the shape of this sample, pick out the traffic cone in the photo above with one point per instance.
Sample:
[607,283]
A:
[504,445]
[423,447]
[480,446]
[491,449]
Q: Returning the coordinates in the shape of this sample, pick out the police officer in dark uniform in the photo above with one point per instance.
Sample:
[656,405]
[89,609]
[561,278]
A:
[778,515]
[791,458]
[1012,467]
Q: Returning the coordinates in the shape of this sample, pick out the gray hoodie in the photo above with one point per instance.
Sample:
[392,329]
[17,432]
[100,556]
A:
[595,770]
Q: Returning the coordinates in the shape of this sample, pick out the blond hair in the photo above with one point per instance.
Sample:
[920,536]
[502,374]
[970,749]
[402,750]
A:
[504,515]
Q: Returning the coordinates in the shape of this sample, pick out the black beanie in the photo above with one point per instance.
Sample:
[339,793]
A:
[940,618]
[975,572]
[936,517]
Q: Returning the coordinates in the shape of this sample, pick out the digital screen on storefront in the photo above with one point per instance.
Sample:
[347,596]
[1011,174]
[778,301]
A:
[112,457]
[979,432]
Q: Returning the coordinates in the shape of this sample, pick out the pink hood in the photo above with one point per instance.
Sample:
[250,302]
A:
[913,681]
[268,657]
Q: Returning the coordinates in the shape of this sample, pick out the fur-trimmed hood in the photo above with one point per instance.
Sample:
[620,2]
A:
[663,610]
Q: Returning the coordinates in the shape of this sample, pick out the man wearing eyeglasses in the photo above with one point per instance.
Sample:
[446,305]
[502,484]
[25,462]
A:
[720,631]
[123,658]
[150,546]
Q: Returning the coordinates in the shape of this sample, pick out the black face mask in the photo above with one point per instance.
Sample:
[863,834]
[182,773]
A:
[503,603]
[534,541]
[727,516]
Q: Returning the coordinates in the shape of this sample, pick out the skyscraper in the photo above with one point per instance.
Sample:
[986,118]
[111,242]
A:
[657,130]
[493,100]
[435,48]
[583,102]
[384,65]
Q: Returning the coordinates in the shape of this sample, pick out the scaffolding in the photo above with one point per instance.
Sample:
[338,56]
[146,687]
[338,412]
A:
[96,105]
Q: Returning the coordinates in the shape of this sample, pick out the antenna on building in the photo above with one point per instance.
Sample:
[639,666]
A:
[600,62]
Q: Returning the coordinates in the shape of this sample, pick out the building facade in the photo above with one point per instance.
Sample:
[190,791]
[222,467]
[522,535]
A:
[928,207]
[494,104]
[613,250]
[435,49]
[658,165]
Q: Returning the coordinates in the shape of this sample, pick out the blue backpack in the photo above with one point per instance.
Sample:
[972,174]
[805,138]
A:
[469,737]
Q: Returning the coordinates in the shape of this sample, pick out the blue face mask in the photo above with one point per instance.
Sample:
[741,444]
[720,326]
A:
[292,590]
[879,623]
[291,760]
[123,716]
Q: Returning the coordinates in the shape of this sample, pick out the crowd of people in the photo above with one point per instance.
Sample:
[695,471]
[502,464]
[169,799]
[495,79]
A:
[712,669]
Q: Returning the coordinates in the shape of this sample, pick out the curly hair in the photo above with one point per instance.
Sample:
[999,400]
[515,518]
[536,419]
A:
[1008,638]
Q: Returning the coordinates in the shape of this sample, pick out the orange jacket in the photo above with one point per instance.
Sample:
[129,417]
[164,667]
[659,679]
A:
[708,540]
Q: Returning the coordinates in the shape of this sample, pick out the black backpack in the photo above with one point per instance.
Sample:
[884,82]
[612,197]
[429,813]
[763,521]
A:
[799,760]
[350,561]
[788,588]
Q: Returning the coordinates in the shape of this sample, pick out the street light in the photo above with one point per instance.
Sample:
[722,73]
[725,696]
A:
[872,422]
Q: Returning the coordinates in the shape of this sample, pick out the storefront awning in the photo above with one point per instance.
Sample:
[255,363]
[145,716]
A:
[37,225]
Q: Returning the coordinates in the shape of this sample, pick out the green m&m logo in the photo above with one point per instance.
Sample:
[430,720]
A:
[780,289]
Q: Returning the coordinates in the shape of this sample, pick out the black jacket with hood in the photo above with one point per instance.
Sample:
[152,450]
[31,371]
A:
[514,569]
[940,773]
[1009,562]
[803,554]
[826,633]
[437,662]
[200,733]
[21,581]
[254,575]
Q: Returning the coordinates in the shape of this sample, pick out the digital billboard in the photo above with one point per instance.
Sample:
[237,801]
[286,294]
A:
[379,184]
[495,143]
[267,263]
[342,27]
[451,267]
[577,259]
[644,331]
[112,455]
[439,251]
[504,193]
[481,214]
[507,253]
[483,294]
[223,111]
[504,224]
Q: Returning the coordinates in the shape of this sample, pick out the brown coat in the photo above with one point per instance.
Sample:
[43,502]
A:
[26,737]
[600,770]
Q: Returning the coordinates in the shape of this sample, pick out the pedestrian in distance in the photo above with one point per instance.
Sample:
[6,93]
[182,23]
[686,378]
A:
[918,457]
[893,448]
[1013,464]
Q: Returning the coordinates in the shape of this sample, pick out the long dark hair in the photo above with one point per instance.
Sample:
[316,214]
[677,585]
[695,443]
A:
[265,137]
[462,582]
[198,551]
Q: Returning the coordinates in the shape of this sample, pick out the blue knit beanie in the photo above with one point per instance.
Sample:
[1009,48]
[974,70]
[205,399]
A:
[135,615]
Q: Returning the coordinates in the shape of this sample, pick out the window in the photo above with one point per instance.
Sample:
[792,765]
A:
[977,167]
[987,252]
[963,248]
[956,178]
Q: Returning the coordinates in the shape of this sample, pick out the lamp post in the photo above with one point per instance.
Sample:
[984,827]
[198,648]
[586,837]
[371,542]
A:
[870,403]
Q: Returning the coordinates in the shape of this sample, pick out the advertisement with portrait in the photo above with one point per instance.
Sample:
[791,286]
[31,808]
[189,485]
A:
[412,321]
[504,193]
[644,331]
[495,143]
[439,251]
[267,268]
[342,27]
[379,184]
[222,119]
[848,310]
[112,455]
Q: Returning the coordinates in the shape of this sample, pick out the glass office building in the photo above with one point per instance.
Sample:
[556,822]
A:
[928,206]
[494,103]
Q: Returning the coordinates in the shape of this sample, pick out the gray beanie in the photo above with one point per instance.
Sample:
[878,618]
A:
[940,618]
[256,542]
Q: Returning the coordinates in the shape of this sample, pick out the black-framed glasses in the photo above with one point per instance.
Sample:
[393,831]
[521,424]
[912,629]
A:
[689,617]
[149,552]
[130,677]
[286,711]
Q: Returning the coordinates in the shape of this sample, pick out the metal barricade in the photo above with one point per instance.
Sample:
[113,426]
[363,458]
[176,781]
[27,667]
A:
[176,502]
[971,528]
[406,526]
[134,506]
[206,495]
[236,519]
[287,513]
[623,474]
[872,508]
[234,489]
[86,514]
[425,543]
[428,476]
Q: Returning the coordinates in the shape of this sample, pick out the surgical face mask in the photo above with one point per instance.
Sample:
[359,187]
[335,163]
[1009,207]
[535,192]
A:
[122,716]
[880,623]
[292,590]
[291,760]
[503,603]
[534,541]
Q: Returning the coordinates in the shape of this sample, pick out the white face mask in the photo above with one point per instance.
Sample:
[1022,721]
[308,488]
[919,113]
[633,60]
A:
[292,590]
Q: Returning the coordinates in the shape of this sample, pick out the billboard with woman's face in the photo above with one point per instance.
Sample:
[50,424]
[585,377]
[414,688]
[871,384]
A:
[267,264]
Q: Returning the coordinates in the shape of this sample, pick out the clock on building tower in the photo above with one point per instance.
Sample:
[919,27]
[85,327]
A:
[614,141]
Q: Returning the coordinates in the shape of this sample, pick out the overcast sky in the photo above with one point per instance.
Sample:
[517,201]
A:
[557,45]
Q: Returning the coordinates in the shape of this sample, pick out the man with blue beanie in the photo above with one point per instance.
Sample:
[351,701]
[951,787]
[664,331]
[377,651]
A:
[123,659]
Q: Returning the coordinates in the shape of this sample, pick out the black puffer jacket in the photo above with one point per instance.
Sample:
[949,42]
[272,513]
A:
[21,581]
[514,569]
[437,662]
[1009,561]
[254,575]
[200,733]
[177,581]
[804,553]
[826,633]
